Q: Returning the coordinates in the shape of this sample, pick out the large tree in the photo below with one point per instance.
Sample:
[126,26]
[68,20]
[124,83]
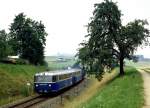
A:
[28,38]
[109,41]
[5,48]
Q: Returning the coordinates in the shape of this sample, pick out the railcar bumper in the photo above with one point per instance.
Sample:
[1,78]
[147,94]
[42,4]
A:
[42,88]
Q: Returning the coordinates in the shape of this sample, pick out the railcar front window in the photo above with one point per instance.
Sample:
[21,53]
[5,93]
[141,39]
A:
[43,79]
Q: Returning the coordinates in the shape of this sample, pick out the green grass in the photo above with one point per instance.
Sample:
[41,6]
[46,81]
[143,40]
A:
[14,79]
[123,92]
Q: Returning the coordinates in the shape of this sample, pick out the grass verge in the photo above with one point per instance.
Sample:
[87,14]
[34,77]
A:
[14,79]
[90,91]
[123,92]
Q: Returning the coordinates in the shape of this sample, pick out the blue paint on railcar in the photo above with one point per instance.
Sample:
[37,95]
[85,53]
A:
[74,80]
[42,87]
[56,86]
[52,87]
[78,78]
[61,84]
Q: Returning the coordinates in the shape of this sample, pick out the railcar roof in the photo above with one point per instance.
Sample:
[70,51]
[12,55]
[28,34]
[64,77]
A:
[57,72]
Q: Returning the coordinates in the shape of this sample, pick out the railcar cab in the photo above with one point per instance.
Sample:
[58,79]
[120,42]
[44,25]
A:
[42,82]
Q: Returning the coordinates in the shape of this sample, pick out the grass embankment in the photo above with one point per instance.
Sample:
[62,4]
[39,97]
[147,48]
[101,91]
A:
[14,79]
[123,92]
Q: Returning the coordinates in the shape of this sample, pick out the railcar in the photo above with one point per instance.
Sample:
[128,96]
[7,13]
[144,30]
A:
[54,81]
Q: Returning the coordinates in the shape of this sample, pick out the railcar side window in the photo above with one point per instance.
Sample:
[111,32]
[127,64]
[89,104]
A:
[55,78]
[64,76]
[77,73]
[70,74]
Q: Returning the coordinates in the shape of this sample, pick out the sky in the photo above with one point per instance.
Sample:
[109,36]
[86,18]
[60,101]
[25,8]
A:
[66,20]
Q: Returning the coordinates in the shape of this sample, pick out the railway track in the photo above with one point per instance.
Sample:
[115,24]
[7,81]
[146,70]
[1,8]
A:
[33,101]
[27,103]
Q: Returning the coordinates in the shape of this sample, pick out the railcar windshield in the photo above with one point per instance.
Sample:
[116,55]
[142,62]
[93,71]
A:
[43,78]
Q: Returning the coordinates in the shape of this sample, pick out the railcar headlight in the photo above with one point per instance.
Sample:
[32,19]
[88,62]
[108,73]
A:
[49,85]
[36,85]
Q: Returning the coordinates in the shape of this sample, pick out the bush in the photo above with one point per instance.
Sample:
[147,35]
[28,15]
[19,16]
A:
[22,61]
[8,61]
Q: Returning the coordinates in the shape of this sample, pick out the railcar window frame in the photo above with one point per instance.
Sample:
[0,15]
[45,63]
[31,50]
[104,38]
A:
[78,73]
[55,78]
[64,76]
[42,79]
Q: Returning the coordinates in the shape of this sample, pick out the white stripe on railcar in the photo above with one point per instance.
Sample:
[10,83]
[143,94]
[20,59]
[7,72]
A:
[57,72]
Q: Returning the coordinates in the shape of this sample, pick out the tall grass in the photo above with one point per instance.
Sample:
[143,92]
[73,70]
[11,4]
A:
[14,79]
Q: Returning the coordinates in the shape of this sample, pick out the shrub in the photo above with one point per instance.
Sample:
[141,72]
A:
[21,61]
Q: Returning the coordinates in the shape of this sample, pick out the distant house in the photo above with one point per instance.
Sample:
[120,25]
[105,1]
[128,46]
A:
[10,59]
[61,59]
[13,57]
[140,57]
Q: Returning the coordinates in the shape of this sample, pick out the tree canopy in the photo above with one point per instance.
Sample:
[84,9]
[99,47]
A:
[28,38]
[109,41]
[5,48]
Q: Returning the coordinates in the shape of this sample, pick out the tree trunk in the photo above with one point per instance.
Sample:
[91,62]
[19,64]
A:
[121,67]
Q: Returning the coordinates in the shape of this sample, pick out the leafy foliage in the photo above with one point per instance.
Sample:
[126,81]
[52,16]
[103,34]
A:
[28,39]
[5,49]
[109,41]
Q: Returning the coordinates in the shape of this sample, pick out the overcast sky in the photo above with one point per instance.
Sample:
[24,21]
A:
[65,20]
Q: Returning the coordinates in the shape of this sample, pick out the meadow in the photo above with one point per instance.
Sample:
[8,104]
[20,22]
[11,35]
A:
[58,63]
[126,91]
[123,92]
[140,64]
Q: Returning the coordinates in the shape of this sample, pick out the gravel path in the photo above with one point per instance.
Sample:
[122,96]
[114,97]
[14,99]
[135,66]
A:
[146,79]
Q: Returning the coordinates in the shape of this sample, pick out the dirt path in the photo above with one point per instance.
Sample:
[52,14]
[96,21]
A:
[146,79]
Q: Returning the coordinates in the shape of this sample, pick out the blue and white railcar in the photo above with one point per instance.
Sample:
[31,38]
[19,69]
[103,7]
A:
[54,81]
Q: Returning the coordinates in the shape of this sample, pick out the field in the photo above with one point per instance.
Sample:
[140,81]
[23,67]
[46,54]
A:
[57,63]
[123,92]
[140,64]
